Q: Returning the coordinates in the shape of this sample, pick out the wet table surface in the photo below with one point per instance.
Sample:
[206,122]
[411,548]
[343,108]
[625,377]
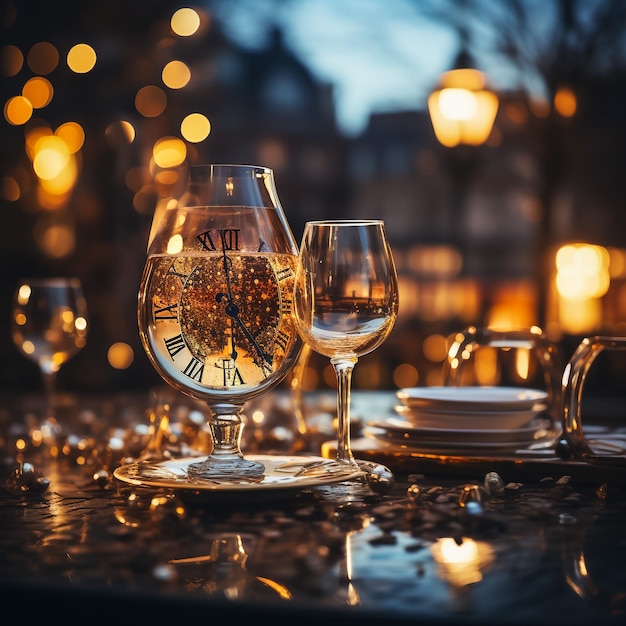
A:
[468,542]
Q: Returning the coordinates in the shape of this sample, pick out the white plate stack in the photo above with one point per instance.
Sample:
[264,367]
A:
[466,420]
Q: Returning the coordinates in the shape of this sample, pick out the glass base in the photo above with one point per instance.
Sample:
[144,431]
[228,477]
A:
[227,468]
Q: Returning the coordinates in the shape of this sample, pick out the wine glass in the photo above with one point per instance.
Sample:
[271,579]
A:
[49,326]
[345,305]
[215,302]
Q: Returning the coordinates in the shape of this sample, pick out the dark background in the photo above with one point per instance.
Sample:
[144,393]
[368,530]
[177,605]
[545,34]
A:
[539,182]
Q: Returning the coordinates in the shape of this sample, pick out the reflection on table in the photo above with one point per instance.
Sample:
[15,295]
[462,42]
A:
[472,542]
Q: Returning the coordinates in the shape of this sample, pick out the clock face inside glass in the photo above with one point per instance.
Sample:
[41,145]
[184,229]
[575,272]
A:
[221,319]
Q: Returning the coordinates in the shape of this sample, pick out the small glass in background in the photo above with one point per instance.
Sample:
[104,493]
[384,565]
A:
[49,326]
[514,358]
[592,433]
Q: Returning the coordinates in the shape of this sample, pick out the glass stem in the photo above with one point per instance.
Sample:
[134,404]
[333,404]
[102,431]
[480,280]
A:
[343,369]
[49,425]
[49,386]
[226,429]
[226,460]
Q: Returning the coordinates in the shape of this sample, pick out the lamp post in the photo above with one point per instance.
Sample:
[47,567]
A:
[462,111]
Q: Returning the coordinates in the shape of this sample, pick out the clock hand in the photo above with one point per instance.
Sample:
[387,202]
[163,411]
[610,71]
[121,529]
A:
[232,310]
[229,308]
[266,359]
[227,266]
[229,296]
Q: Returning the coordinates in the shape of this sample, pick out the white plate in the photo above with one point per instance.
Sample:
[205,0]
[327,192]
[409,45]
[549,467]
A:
[400,428]
[459,441]
[281,473]
[472,398]
[434,418]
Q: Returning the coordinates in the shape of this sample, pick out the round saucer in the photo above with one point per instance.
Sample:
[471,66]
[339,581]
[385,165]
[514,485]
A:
[281,473]
[426,417]
[462,441]
[407,430]
[472,398]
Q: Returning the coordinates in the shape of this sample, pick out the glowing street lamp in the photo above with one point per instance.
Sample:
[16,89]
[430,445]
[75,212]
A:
[462,110]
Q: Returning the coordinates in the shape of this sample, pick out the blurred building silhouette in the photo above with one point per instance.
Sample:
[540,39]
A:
[463,223]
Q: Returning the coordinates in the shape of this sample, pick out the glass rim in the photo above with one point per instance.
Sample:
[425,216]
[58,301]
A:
[356,222]
[242,166]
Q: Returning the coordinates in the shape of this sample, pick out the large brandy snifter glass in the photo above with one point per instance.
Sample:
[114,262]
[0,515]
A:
[345,306]
[215,302]
[49,326]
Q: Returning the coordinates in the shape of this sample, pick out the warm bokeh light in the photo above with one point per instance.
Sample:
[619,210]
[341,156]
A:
[81,58]
[462,562]
[33,135]
[617,262]
[457,104]
[120,356]
[61,183]
[18,110]
[165,181]
[185,22]
[565,102]
[11,60]
[72,134]
[23,294]
[50,201]
[435,348]
[195,127]
[436,261]
[582,271]
[81,324]
[169,152]
[52,155]
[579,317]
[405,375]
[43,58]
[522,363]
[512,306]
[150,101]
[54,161]
[582,278]
[176,75]
[462,111]
[39,91]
